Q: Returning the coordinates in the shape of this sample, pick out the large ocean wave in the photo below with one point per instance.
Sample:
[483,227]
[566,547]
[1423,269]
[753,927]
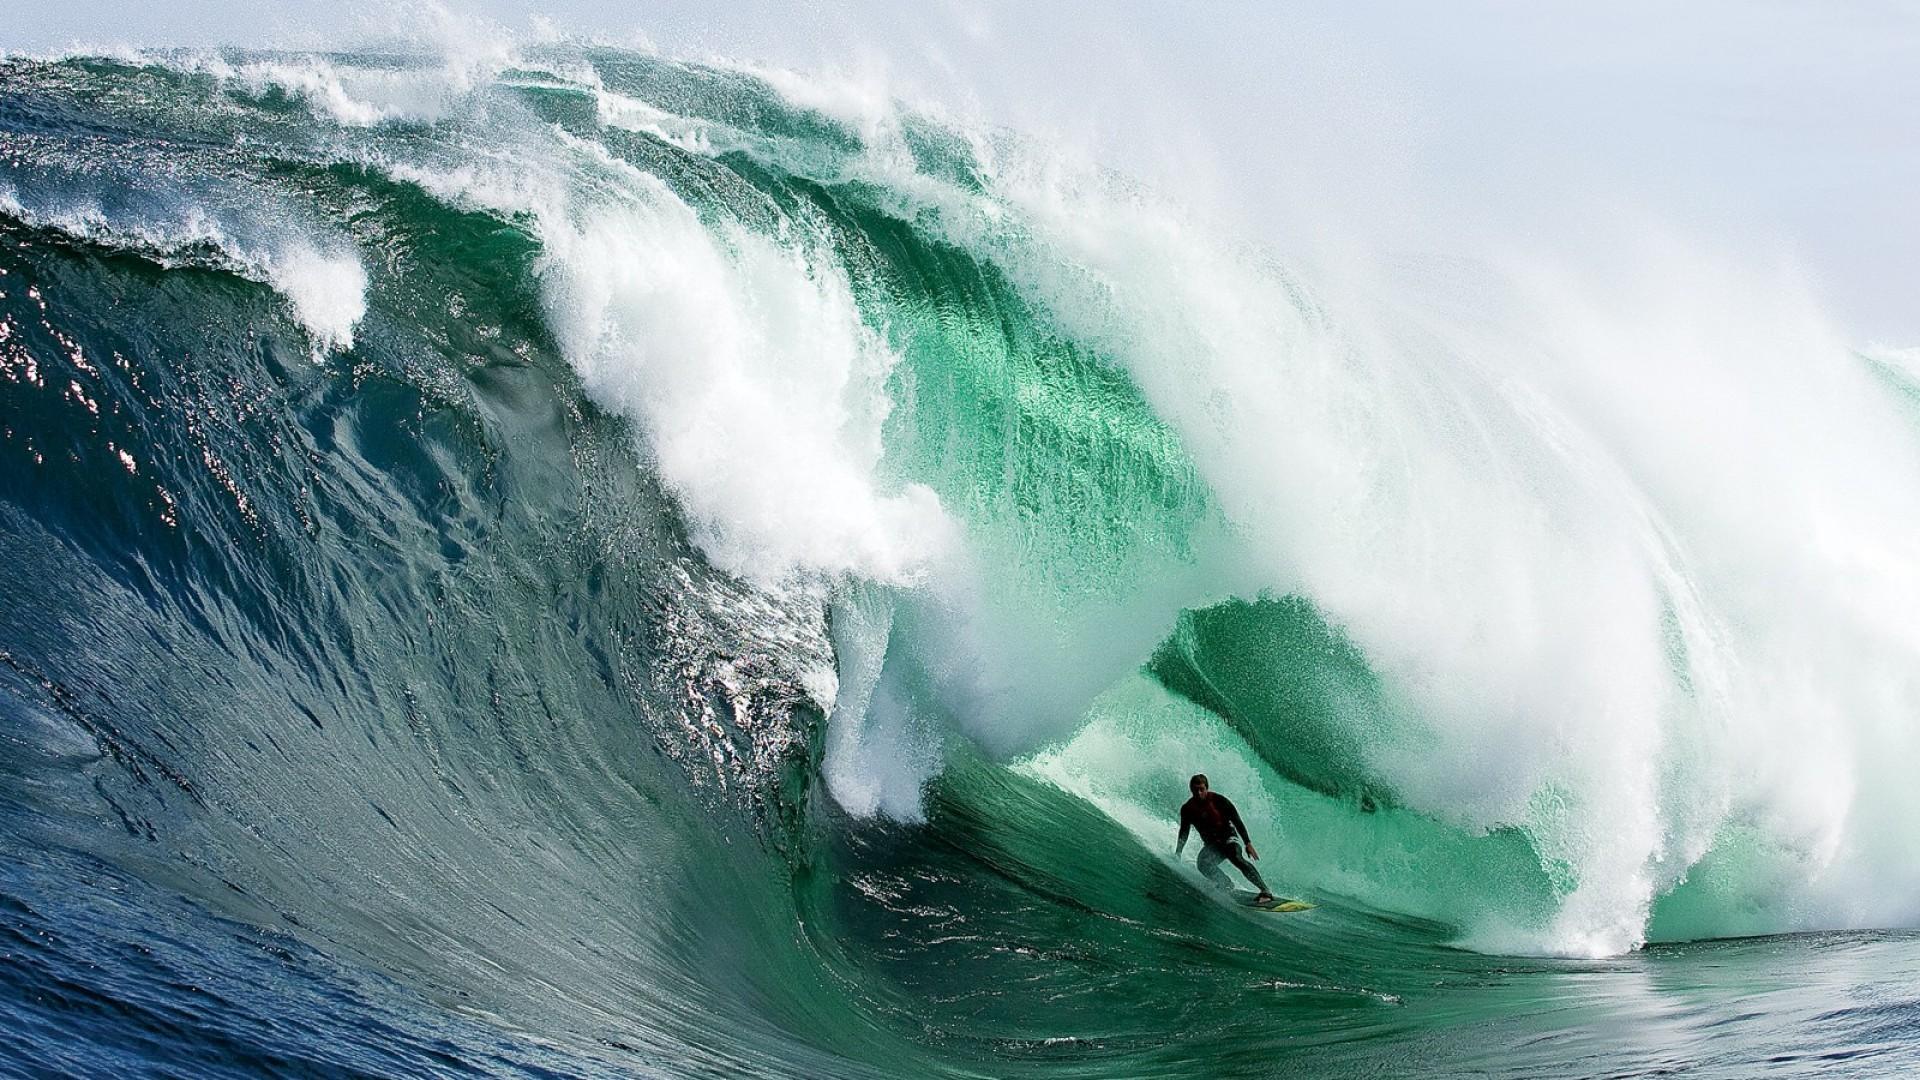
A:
[728,573]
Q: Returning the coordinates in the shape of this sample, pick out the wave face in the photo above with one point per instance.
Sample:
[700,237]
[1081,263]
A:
[574,561]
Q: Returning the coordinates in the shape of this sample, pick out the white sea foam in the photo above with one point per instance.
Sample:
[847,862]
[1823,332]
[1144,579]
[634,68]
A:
[882,744]
[859,99]
[353,96]
[328,290]
[631,114]
[452,56]
[757,388]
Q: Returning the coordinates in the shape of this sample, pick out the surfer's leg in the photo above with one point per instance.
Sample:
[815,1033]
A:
[1209,864]
[1246,867]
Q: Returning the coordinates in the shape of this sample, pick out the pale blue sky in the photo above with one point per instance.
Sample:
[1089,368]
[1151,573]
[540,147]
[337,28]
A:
[1793,126]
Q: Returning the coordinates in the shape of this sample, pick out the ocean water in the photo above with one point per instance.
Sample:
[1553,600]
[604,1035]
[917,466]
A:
[571,561]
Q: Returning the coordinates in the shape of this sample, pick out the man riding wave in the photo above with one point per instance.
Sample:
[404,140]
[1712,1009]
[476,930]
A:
[1217,820]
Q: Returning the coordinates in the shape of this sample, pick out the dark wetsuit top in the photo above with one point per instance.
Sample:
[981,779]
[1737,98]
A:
[1215,818]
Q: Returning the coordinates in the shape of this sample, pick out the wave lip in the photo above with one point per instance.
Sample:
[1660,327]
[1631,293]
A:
[321,276]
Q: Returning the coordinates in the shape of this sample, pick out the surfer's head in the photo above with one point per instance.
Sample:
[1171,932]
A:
[1198,785]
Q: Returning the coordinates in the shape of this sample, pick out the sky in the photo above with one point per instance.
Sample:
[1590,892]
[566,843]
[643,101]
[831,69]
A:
[1790,131]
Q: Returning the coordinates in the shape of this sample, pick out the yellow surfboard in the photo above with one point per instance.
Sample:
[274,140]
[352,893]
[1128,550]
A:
[1278,903]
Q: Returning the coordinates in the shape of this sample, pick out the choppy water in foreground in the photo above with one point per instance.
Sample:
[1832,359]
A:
[579,563]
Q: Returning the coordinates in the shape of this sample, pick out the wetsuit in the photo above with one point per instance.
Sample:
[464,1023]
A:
[1216,819]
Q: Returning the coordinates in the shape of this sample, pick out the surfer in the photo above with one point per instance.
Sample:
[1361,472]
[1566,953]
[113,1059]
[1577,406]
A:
[1217,819]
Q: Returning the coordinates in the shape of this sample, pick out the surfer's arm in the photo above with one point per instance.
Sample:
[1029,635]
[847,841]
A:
[1185,827]
[1233,818]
